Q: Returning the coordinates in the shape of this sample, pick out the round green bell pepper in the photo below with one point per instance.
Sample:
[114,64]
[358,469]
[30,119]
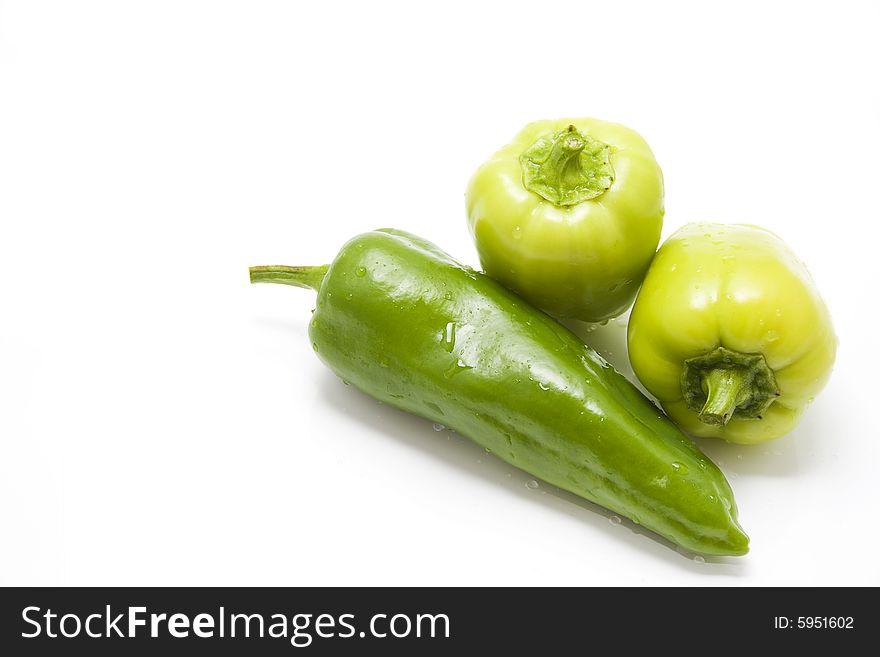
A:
[730,333]
[568,215]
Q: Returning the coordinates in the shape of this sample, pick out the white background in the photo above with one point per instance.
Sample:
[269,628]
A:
[164,422]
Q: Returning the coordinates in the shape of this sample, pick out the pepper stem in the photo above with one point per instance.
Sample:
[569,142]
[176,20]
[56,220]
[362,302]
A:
[563,164]
[724,383]
[307,277]
[726,389]
[567,167]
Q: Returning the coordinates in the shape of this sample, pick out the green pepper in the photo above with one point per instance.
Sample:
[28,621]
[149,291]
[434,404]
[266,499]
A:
[568,215]
[404,322]
[730,333]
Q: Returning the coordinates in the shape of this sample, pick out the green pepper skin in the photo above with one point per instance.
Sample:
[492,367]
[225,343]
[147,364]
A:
[404,322]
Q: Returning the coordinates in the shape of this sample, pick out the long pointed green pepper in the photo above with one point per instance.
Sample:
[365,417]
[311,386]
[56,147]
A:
[404,322]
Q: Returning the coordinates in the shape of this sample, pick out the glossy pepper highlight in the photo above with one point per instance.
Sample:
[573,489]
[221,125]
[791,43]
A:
[568,215]
[404,322]
[730,333]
